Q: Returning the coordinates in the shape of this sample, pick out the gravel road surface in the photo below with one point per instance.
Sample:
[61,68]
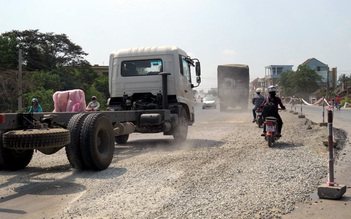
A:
[224,170]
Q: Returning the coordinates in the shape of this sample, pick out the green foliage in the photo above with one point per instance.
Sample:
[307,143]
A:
[8,52]
[51,62]
[344,79]
[44,97]
[344,100]
[285,81]
[42,80]
[300,83]
[8,90]
[100,97]
[101,85]
[46,51]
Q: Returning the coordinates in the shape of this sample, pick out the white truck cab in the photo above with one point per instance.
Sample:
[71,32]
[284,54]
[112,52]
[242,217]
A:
[153,78]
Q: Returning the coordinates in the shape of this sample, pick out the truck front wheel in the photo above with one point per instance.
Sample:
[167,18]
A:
[180,132]
[14,159]
[97,142]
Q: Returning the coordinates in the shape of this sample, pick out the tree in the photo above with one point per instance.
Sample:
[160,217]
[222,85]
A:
[51,62]
[44,97]
[101,85]
[285,81]
[8,90]
[307,80]
[300,83]
[46,51]
[344,79]
[8,52]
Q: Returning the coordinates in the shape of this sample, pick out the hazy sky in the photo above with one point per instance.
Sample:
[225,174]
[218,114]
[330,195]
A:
[253,32]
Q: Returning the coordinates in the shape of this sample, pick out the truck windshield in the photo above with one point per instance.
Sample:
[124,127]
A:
[141,67]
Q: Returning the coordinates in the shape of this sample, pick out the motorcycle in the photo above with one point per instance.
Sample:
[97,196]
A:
[259,120]
[271,129]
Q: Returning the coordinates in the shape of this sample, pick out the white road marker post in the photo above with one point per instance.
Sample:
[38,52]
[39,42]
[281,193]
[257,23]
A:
[331,190]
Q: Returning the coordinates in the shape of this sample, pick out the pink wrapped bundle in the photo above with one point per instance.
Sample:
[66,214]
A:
[69,101]
[60,101]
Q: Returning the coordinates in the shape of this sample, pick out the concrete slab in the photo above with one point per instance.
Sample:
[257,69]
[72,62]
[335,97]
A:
[331,192]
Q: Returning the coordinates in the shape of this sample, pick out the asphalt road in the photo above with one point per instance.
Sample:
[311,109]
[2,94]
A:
[341,118]
[324,208]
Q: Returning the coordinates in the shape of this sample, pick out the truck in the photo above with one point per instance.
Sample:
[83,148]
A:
[233,86]
[150,92]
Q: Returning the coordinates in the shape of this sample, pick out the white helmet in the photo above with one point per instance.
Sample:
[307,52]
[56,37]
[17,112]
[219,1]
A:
[258,90]
[272,89]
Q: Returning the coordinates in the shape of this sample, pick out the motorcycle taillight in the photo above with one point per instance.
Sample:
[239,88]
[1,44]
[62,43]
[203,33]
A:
[269,123]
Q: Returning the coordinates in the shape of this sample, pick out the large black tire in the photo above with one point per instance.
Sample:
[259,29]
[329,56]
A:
[14,159]
[73,152]
[180,131]
[36,138]
[121,139]
[97,142]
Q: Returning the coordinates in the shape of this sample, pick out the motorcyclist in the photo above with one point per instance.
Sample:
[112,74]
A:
[35,106]
[272,98]
[93,105]
[257,101]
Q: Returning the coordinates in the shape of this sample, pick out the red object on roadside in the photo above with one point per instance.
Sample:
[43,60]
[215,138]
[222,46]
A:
[2,118]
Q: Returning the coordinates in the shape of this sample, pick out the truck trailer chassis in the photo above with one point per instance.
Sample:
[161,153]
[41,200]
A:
[88,138]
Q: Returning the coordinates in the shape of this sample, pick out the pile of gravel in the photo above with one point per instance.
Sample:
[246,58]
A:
[225,170]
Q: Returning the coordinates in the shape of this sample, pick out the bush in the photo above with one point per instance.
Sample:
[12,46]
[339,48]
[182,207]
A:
[343,101]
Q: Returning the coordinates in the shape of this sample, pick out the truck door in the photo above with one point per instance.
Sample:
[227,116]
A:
[185,83]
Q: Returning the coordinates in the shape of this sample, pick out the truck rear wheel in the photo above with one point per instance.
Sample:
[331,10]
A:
[14,159]
[73,152]
[121,139]
[180,132]
[36,138]
[97,142]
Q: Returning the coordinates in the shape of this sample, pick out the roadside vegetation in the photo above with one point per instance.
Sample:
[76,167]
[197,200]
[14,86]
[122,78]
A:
[305,81]
[50,63]
[301,82]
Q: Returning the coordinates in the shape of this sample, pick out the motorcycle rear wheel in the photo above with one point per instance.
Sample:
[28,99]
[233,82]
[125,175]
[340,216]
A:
[259,122]
[270,140]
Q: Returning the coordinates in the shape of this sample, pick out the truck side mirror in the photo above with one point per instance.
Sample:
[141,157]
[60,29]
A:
[197,69]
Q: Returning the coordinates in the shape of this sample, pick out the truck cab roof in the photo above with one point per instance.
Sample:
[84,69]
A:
[146,51]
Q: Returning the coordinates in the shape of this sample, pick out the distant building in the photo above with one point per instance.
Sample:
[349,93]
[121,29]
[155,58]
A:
[100,69]
[256,83]
[323,70]
[273,72]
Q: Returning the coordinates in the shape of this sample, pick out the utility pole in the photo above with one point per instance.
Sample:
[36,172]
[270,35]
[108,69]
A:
[19,80]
